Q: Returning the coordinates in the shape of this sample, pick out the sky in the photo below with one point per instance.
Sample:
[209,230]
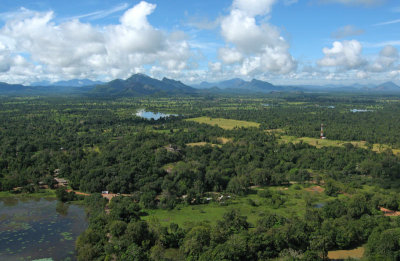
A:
[329,42]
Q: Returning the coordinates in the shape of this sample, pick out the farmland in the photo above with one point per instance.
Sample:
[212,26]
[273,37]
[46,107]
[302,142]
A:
[229,169]
[226,124]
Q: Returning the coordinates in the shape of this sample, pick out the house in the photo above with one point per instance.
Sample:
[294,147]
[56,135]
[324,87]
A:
[61,182]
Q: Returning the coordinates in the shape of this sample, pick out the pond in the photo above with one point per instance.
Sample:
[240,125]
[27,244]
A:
[151,115]
[319,205]
[39,228]
[360,110]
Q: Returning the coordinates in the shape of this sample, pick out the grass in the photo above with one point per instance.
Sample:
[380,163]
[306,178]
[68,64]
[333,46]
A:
[202,143]
[319,143]
[356,253]
[226,124]
[221,141]
[294,205]
[44,193]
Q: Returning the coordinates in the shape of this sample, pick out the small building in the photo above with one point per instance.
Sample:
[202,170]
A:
[105,192]
[61,182]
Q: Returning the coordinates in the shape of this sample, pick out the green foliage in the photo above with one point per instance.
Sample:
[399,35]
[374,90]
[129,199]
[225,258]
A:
[384,245]
[100,145]
[124,209]
[238,185]
[65,196]
[264,193]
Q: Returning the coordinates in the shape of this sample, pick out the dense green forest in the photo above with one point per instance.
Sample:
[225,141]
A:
[177,164]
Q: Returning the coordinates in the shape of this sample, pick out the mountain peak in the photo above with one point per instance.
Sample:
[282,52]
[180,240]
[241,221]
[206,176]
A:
[140,85]
[388,86]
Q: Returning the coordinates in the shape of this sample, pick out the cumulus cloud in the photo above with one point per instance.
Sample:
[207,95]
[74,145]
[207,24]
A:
[255,46]
[345,55]
[346,31]
[230,55]
[388,56]
[253,7]
[73,49]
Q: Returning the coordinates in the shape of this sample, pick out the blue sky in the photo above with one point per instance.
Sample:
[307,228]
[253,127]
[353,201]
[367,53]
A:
[281,41]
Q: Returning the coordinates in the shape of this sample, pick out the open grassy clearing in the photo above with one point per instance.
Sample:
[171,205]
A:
[226,124]
[43,193]
[221,141]
[202,143]
[252,205]
[319,143]
[356,253]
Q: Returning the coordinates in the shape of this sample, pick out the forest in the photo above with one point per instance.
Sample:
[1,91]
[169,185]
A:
[221,178]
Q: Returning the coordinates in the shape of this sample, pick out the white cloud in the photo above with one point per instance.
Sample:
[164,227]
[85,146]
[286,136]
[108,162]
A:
[215,67]
[73,49]
[388,22]
[102,13]
[346,31]
[229,55]
[388,56]
[253,7]
[257,47]
[343,55]
[203,23]
[362,75]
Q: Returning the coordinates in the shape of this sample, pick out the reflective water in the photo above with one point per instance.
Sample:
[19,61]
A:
[39,228]
[359,110]
[151,115]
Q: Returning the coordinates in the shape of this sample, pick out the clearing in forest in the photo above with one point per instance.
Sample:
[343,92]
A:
[319,143]
[202,143]
[356,253]
[317,189]
[221,141]
[226,124]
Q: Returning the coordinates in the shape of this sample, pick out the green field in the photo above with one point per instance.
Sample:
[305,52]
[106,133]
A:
[252,205]
[319,143]
[43,193]
[226,124]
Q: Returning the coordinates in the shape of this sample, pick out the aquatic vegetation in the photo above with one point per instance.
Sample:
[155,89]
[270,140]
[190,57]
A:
[42,232]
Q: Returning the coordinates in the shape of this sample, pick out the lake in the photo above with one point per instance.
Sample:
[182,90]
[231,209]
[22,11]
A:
[39,228]
[151,115]
[359,110]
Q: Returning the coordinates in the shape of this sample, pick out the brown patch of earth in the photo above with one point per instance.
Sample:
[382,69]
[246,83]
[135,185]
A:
[389,213]
[356,253]
[78,192]
[317,189]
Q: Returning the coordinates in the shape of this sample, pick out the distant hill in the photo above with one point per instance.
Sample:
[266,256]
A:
[70,83]
[10,88]
[22,90]
[142,85]
[387,86]
[238,85]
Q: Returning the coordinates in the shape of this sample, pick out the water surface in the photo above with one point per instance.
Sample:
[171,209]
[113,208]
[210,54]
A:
[360,110]
[39,228]
[152,115]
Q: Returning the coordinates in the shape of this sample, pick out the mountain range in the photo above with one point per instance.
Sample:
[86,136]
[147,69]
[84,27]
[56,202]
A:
[70,83]
[142,85]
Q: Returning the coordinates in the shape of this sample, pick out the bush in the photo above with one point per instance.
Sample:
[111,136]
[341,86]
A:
[264,193]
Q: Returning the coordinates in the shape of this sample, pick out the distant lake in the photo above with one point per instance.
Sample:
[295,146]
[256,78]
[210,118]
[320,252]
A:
[359,110]
[151,115]
[39,228]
